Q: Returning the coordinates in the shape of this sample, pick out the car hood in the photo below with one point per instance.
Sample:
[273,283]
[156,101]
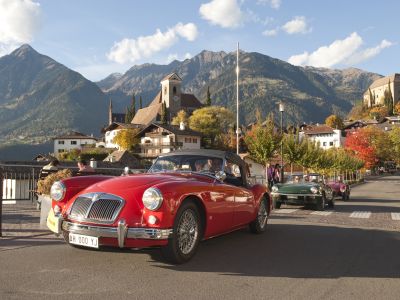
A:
[294,188]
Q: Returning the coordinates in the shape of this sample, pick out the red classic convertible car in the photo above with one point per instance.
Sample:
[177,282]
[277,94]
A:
[340,189]
[185,197]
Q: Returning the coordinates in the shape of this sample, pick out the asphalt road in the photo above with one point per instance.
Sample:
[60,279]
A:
[303,255]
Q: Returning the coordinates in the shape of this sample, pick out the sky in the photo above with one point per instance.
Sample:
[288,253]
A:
[100,37]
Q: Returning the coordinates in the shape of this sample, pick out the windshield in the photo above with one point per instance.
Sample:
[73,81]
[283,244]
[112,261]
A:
[300,178]
[191,163]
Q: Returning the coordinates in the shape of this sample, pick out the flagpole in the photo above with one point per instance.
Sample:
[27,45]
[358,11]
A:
[237,99]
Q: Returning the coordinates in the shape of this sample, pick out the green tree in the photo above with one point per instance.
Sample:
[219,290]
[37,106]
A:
[394,136]
[127,139]
[181,116]
[140,102]
[131,110]
[211,121]
[334,121]
[263,141]
[293,149]
[164,113]
[208,99]
[388,100]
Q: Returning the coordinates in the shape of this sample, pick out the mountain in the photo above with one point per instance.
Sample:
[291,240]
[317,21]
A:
[41,98]
[309,94]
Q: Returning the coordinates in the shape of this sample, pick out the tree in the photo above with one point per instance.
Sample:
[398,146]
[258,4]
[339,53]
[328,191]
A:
[378,112]
[211,121]
[208,99]
[334,121]
[397,108]
[164,113]
[358,143]
[394,136]
[388,100]
[131,110]
[293,149]
[181,116]
[126,139]
[380,141]
[263,141]
[140,102]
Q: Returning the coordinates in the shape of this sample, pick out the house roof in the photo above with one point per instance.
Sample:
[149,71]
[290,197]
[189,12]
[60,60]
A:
[118,125]
[385,80]
[172,76]
[190,100]
[172,129]
[74,135]
[318,129]
[124,157]
[147,115]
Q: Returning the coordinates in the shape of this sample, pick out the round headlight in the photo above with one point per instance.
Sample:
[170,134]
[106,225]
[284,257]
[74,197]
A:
[343,188]
[57,191]
[314,190]
[274,189]
[152,198]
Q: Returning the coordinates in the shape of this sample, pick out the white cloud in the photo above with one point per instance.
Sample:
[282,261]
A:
[270,32]
[339,52]
[225,13]
[19,21]
[368,53]
[297,25]
[188,55]
[131,50]
[175,56]
[273,3]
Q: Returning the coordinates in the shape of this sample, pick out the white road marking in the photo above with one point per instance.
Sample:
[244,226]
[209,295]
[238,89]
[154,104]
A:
[396,216]
[9,202]
[285,211]
[361,214]
[322,213]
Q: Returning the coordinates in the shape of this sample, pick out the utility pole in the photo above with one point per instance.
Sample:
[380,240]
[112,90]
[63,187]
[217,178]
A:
[237,100]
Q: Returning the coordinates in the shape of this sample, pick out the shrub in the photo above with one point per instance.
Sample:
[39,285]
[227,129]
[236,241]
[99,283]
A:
[44,185]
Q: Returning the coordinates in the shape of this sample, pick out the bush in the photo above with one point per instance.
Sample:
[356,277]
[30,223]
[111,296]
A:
[44,185]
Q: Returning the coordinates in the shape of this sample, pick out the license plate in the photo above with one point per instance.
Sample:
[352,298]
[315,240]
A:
[292,197]
[84,240]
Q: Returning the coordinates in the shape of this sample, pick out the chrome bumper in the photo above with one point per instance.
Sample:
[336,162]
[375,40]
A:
[121,232]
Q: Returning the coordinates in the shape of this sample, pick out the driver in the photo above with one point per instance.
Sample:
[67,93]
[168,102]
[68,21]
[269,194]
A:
[214,165]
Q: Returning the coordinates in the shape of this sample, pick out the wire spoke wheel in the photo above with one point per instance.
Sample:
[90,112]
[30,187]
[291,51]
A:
[187,232]
[262,215]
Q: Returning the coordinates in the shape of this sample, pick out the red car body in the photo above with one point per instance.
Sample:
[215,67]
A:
[110,210]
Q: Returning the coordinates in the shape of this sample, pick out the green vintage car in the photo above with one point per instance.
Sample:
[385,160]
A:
[308,190]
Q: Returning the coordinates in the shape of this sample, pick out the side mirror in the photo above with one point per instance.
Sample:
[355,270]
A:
[220,175]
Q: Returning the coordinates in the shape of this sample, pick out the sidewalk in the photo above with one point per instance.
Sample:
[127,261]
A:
[21,220]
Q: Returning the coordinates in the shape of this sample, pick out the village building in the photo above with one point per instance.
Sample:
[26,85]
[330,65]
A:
[375,94]
[323,135]
[111,131]
[172,98]
[156,139]
[72,140]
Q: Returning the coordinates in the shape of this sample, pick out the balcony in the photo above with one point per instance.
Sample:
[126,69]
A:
[161,145]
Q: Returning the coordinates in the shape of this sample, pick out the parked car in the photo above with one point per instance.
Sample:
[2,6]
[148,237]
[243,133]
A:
[340,189]
[185,197]
[307,190]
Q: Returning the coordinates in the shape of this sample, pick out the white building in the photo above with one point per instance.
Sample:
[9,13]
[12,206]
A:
[375,94]
[72,140]
[111,131]
[161,138]
[323,135]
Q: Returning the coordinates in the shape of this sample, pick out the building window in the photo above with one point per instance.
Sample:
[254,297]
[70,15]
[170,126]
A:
[61,150]
[330,143]
[73,142]
[61,142]
[194,140]
[188,140]
[324,144]
[174,90]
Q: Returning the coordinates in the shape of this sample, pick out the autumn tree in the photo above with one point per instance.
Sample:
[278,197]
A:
[394,136]
[181,116]
[293,149]
[358,143]
[211,121]
[140,102]
[263,141]
[397,108]
[127,139]
[378,112]
[380,141]
[334,121]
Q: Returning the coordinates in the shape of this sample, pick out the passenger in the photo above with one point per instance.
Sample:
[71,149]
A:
[199,166]
[214,165]
[296,179]
[84,168]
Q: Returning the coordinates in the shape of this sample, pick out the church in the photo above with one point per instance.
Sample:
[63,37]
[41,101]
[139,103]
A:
[173,98]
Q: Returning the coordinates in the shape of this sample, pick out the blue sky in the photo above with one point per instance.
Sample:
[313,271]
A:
[99,37]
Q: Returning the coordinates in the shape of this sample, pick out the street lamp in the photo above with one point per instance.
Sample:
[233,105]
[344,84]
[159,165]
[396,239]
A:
[281,109]
[237,100]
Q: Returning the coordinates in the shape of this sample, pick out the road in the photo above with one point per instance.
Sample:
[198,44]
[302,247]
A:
[303,255]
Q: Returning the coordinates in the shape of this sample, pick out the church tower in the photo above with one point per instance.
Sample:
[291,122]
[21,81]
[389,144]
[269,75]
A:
[110,120]
[171,94]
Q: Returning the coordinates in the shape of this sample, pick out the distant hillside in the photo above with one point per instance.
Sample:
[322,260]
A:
[40,98]
[310,94]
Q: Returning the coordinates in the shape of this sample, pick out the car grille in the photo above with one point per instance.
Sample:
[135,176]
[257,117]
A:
[96,207]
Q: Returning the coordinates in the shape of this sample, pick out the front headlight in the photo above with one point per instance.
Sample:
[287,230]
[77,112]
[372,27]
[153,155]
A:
[274,189]
[152,198]
[57,191]
[314,190]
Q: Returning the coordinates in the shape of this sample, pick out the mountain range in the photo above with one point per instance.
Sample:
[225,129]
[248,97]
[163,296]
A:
[41,98]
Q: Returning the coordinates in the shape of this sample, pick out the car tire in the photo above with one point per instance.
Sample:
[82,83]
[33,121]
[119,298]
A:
[187,231]
[331,203]
[260,223]
[276,204]
[321,203]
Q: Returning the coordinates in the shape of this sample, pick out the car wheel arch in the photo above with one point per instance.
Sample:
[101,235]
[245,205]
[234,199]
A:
[200,206]
[268,198]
